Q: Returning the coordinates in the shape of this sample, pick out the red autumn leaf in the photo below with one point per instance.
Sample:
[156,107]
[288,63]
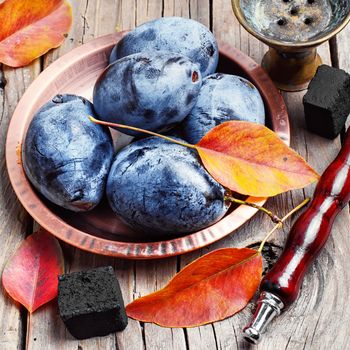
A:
[31,28]
[251,159]
[211,288]
[30,276]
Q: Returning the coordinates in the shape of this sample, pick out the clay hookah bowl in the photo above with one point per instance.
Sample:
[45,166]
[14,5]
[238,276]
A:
[292,29]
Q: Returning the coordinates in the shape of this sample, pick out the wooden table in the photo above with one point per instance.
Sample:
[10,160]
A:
[321,317]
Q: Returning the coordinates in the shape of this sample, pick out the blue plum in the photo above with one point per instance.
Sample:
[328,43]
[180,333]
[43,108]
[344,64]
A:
[174,34]
[67,157]
[223,97]
[160,188]
[152,91]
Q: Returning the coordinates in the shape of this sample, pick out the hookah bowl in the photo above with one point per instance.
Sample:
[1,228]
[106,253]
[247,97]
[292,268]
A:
[292,29]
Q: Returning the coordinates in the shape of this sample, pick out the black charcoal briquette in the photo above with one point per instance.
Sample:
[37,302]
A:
[327,102]
[91,303]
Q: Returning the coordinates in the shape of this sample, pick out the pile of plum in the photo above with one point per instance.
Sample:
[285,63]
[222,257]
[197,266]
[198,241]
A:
[161,78]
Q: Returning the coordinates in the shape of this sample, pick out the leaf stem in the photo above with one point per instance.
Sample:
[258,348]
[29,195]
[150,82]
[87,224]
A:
[280,224]
[273,217]
[133,128]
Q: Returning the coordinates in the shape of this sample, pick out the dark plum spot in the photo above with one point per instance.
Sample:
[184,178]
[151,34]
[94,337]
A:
[173,60]
[217,120]
[51,176]
[214,195]
[132,158]
[77,196]
[210,50]
[129,83]
[171,126]
[217,76]
[127,75]
[130,106]
[189,98]
[115,97]
[58,99]
[100,149]
[136,155]
[148,35]
[144,60]
[171,113]
[148,113]
[195,77]
[152,73]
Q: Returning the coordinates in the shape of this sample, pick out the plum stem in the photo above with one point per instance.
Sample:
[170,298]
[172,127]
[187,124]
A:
[273,217]
[122,126]
[280,224]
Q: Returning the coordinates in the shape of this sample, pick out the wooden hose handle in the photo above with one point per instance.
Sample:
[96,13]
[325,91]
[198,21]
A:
[281,285]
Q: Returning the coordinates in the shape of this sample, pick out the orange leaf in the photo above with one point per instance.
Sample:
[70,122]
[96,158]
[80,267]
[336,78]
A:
[251,159]
[30,28]
[211,288]
[31,275]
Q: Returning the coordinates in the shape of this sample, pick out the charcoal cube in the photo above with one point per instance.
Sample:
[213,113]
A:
[327,102]
[91,303]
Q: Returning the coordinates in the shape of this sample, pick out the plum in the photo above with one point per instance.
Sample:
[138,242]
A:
[174,34]
[160,187]
[67,157]
[152,91]
[223,97]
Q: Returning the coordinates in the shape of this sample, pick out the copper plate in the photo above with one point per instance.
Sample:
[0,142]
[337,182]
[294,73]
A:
[99,231]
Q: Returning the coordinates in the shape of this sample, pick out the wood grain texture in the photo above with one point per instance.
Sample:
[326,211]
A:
[341,45]
[307,324]
[152,275]
[15,223]
[319,320]
[45,328]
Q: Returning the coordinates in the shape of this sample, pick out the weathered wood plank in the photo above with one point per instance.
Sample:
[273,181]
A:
[148,10]
[45,328]
[152,275]
[227,28]
[341,53]
[310,322]
[135,278]
[149,277]
[15,223]
[179,8]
